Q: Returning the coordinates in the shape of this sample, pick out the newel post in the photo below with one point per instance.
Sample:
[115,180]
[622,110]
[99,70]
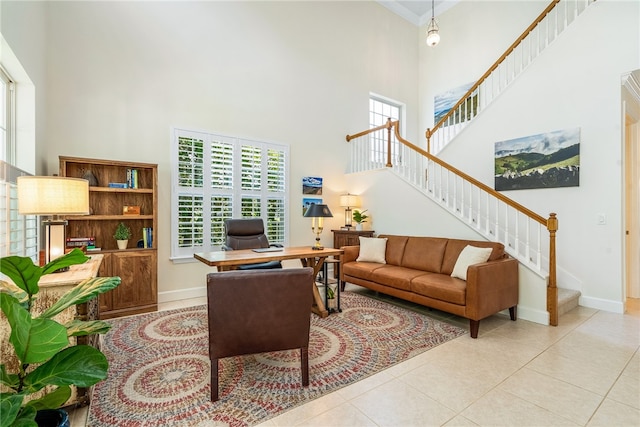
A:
[552,287]
[428,135]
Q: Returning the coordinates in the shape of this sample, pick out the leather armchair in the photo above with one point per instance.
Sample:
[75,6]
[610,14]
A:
[259,311]
[248,233]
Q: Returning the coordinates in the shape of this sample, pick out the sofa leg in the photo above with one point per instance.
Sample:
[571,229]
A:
[513,312]
[474,325]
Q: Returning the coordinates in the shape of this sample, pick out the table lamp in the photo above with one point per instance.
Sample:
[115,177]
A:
[349,201]
[54,196]
[317,213]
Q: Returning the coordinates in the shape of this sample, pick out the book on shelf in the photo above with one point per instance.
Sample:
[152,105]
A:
[147,237]
[132,178]
[117,185]
[93,249]
[78,242]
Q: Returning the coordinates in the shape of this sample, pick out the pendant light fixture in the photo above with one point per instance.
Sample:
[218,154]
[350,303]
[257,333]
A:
[433,37]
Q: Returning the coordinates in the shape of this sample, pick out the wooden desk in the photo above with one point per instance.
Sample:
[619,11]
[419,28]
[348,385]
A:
[229,260]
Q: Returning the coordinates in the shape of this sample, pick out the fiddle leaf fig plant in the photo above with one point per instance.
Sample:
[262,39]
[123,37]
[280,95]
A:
[41,344]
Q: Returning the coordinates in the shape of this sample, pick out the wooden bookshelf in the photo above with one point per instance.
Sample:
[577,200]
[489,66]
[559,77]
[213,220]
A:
[137,267]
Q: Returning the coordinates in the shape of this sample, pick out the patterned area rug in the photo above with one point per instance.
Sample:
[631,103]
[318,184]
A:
[159,365]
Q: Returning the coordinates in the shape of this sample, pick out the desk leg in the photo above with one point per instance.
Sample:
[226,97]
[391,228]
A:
[318,306]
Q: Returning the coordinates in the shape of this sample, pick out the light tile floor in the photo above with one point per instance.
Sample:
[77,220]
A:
[585,372]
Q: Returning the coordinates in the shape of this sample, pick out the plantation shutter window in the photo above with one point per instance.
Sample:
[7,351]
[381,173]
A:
[218,177]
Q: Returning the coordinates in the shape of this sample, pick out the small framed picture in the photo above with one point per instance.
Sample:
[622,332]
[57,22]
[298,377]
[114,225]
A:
[312,185]
[307,201]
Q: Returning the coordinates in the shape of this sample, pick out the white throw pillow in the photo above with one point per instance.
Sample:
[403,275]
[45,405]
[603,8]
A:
[372,249]
[470,255]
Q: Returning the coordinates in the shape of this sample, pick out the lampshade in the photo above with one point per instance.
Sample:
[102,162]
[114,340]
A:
[52,195]
[350,201]
[318,211]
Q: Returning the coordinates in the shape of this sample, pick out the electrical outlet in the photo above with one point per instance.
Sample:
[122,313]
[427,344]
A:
[601,219]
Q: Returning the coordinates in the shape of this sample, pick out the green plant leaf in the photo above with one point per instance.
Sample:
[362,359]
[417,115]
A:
[7,379]
[34,340]
[83,292]
[26,417]
[52,400]
[78,328]
[16,292]
[22,271]
[81,365]
[76,256]
[9,407]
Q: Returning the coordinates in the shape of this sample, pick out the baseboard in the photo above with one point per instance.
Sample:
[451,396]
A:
[532,315]
[602,304]
[169,296]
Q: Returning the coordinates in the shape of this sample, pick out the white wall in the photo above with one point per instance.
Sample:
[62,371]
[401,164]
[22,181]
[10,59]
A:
[120,74]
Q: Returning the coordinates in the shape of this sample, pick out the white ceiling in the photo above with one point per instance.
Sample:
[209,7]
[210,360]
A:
[418,12]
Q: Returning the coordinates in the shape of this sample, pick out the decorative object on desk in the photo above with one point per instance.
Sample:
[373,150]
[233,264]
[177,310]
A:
[318,213]
[263,385]
[41,342]
[349,201]
[312,185]
[308,201]
[53,196]
[89,176]
[122,235]
[360,218]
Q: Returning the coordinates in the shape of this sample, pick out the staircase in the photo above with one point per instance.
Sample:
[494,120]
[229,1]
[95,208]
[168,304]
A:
[526,235]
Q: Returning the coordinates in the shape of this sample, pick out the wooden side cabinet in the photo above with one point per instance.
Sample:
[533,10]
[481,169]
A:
[349,237]
[135,205]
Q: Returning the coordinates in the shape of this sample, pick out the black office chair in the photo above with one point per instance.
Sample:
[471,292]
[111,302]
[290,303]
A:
[248,233]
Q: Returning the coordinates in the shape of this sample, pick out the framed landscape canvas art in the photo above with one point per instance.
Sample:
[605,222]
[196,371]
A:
[312,185]
[307,201]
[443,102]
[546,160]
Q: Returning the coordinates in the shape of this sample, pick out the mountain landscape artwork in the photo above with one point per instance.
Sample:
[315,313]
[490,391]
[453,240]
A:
[546,160]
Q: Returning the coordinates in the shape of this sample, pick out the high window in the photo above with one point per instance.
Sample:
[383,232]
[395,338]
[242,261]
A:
[382,109]
[216,177]
[18,233]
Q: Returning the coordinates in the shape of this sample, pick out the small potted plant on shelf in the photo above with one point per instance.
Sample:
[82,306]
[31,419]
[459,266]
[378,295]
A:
[43,361]
[331,298]
[122,235]
[360,218]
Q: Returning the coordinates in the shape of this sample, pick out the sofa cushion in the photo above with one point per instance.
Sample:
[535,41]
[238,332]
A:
[440,287]
[395,248]
[372,249]
[455,246]
[424,253]
[470,255]
[362,270]
[396,277]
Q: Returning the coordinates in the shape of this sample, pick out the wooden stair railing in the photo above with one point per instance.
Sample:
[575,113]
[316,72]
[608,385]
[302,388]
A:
[504,70]
[488,212]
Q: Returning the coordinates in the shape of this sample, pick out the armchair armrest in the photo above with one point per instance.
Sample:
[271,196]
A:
[491,287]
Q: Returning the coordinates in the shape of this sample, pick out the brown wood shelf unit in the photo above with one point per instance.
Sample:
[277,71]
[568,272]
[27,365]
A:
[137,267]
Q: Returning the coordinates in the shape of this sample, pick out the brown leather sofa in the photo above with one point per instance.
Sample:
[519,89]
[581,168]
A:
[418,269]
